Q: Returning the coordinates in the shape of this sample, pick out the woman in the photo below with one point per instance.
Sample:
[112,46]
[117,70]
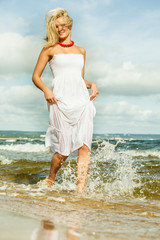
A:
[71,110]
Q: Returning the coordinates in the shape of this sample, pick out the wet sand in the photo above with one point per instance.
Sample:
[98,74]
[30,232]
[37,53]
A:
[48,220]
[14,226]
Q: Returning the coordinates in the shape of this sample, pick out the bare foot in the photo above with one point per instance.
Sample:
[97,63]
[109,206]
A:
[49,181]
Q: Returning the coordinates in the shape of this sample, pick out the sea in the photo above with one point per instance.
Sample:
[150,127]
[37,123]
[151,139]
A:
[122,193]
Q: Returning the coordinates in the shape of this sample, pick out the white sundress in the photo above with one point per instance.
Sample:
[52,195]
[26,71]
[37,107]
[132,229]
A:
[71,122]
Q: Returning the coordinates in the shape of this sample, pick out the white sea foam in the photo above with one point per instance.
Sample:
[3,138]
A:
[141,153]
[43,136]
[40,190]
[5,161]
[57,199]
[27,147]
[11,140]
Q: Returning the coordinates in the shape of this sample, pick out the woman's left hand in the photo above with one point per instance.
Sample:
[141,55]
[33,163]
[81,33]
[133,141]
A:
[94,91]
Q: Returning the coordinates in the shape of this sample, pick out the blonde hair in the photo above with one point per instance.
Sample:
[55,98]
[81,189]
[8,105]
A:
[51,32]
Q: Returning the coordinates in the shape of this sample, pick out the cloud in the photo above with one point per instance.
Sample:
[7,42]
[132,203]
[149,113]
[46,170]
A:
[121,116]
[124,110]
[124,78]
[18,53]
[20,96]
[23,107]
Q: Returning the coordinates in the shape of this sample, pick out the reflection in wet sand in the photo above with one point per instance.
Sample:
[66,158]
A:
[48,232]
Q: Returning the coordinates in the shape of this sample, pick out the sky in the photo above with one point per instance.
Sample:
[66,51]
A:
[122,41]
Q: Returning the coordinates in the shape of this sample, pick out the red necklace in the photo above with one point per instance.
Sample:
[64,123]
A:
[66,45]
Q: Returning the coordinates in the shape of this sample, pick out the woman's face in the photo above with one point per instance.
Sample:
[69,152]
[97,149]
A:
[62,28]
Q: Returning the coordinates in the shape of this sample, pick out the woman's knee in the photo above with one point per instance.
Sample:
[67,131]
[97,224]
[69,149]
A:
[85,148]
[61,157]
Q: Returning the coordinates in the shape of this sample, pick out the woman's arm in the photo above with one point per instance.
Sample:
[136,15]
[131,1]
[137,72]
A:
[89,85]
[36,77]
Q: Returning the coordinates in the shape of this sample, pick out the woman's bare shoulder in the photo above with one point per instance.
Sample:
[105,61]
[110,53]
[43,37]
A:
[81,50]
[50,50]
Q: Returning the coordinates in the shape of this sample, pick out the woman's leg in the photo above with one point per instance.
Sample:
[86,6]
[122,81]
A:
[56,163]
[82,166]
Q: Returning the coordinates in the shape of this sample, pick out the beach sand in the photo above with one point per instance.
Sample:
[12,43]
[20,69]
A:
[14,226]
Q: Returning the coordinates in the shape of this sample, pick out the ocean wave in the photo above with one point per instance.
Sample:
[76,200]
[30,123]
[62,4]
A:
[43,136]
[5,161]
[107,151]
[11,140]
[27,147]
[140,154]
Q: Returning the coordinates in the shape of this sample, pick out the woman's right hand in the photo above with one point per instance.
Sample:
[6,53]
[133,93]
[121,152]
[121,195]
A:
[49,96]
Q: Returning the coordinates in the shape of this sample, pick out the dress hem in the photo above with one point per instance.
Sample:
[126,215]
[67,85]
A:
[72,152]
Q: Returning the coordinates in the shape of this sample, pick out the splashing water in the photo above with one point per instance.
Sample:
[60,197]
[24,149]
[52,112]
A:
[112,173]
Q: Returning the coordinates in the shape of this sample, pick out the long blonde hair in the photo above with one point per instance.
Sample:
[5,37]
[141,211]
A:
[51,32]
